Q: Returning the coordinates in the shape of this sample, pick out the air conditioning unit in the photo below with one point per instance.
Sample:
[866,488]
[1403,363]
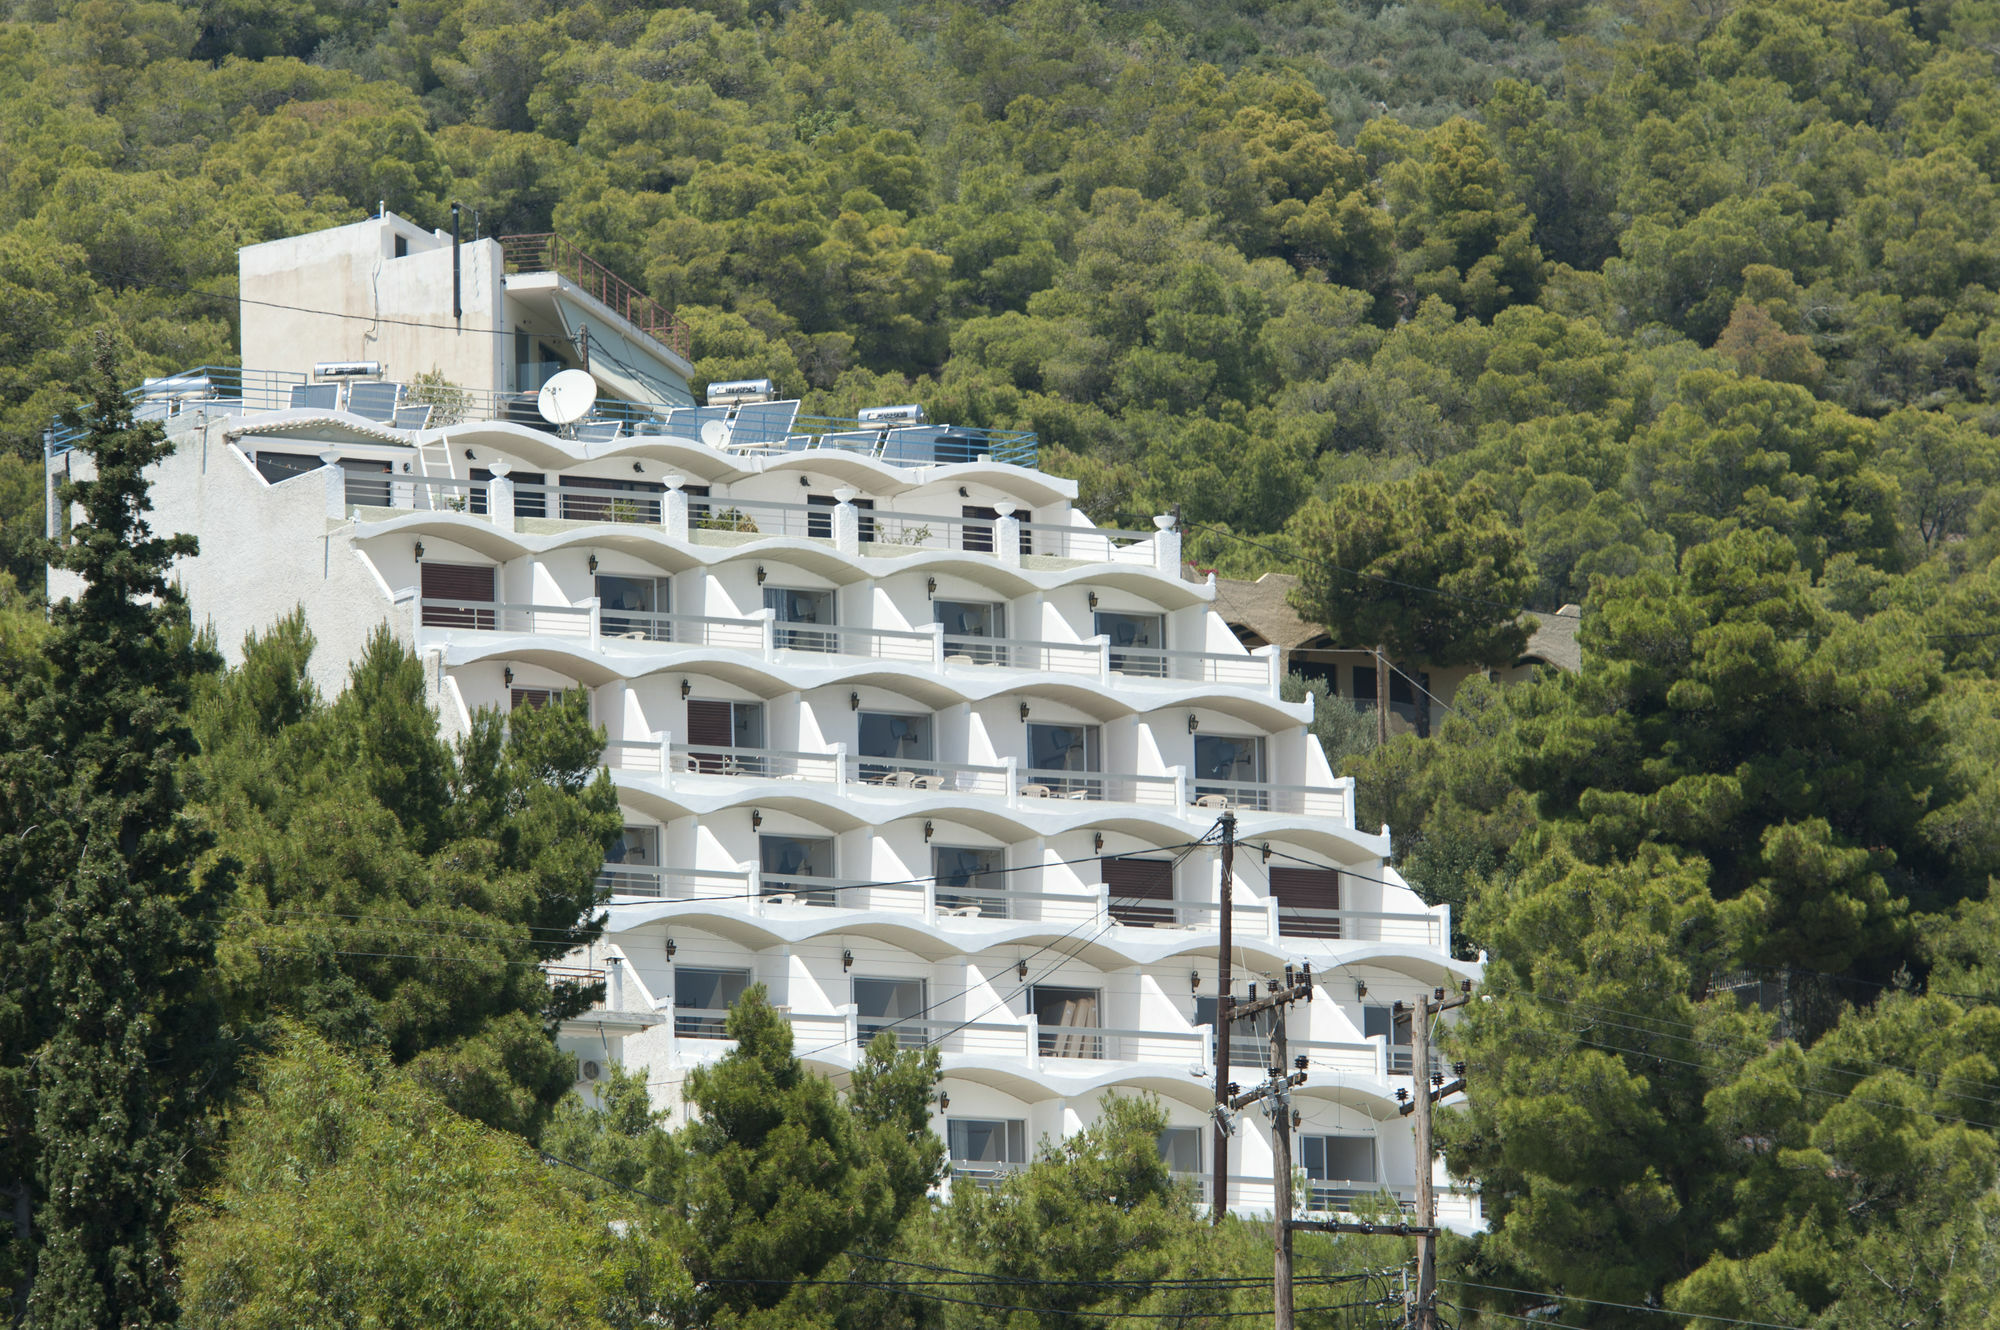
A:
[348,369]
[589,1071]
[739,392]
[912,414]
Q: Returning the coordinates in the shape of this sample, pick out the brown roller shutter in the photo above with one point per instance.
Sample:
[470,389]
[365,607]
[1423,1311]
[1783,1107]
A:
[1306,889]
[1140,879]
[457,581]
[711,725]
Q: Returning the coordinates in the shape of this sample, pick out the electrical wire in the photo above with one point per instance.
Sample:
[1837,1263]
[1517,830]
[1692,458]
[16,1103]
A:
[1621,1306]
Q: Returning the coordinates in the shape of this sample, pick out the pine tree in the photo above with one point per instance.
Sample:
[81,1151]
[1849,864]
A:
[115,1044]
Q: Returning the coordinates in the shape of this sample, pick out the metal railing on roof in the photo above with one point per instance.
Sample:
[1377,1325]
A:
[763,428]
[550,252]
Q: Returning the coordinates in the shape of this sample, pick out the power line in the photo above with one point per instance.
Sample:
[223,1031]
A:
[1622,1306]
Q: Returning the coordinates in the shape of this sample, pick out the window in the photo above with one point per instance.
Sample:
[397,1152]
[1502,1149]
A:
[725,737]
[534,697]
[702,999]
[880,1004]
[795,606]
[1059,748]
[1339,1170]
[900,739]
[977,533]
[1130,880]
[453,594]
[275,467]
[1411,701]
[1249,1042]
[631,607]
[961,870]
[1180,1147]
[798,866]
[1364,688]
[630,862]
[605,499]
[1145,631]
[1224,764]
[1306,897]
[1069,1021]
[982,1149]
[402,250]
[968,627]
[1395,1026]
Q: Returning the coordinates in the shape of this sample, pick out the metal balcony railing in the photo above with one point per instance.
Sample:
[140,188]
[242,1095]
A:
[554,253]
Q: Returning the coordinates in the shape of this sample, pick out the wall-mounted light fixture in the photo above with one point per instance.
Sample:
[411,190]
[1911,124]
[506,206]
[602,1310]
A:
[638,469]
[1194,981]
[964,493]
[805,482]
[420,551]
[760,574]
[944,1101]
[1193,724]
[1097,842]
[1024,711]
[1267,852]
[930,585]
[1296,1119]
[671,948]
[507,675]
[468,454]
[593,563]
[756,818]
[686,688]
[1021,968]
[928,830]
[1093,600]
[854,701]
[846,959]
[406,468]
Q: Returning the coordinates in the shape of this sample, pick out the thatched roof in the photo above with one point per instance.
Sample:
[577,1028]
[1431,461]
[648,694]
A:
[1262,610]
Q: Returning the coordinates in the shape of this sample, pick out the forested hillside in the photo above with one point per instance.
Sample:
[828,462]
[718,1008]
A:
[1686,312]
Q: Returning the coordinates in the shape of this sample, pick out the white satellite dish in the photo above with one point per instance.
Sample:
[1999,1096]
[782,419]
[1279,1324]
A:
[567,397]
[715,433]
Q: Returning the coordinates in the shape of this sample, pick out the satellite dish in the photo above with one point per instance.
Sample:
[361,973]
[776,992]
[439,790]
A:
[714,433]
[567,397]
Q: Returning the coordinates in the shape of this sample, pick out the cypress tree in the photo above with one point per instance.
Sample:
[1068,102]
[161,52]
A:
[115,1045]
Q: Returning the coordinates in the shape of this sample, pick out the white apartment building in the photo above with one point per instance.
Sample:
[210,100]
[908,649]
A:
[898,733]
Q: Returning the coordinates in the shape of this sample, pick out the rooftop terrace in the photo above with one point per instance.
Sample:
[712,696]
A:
[407,410]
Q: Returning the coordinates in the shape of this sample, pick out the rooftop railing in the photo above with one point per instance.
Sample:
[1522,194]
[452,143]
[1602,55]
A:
[550,252]
[221,391]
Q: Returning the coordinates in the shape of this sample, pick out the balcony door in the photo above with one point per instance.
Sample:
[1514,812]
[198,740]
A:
[1236,759]
[632,861]
[1070,1020]
[702,999]
[796,865]
[961,871]
[1129,882]
[797,610]
[466,587]
[1054,749]
[1145,631]
[1394,1026]
[893,739]
[1340,1170]
[630,606]
[884,1004]
[737,727]
[984,1148]
[969,627]
[1180,1148]
[1249,1042]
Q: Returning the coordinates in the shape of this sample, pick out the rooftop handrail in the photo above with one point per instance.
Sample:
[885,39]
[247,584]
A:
[552,252]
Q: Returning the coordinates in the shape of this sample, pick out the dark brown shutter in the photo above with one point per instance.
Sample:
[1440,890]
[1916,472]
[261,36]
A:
[1306,889]
[457,581]
[710,725]
[535,697]
[1140,879]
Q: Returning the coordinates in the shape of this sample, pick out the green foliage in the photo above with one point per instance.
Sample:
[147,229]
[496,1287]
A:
[113,1048]
[395,1209]
[395,893]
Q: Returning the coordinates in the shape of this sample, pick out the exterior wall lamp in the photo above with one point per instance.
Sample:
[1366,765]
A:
[1193,724]
[671,948]
[846,960]
[1024,711]
[1021,968]
[1194,981]
[927,830]
[756,818]
[1267,852]
[1097,842]
[760,574]
[854,701]
[930,585]
[420,551]
[686,688]
[805,482]
[944,1101]
[1093,600]
[593,563]
[507,675]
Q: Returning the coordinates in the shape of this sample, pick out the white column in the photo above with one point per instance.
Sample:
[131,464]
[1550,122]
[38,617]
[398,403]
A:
[596,608]
[614,983]
[846,521]
[1007,535]
[500,496]
[674,512]
[336,485]
[1276,657]
[1166,545]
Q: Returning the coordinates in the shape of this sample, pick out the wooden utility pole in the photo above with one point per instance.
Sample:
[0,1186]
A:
[1420,1078]
[1281,1173]
[1223,979]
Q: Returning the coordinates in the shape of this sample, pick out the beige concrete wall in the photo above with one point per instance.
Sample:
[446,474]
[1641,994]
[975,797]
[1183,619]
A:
[341,294]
